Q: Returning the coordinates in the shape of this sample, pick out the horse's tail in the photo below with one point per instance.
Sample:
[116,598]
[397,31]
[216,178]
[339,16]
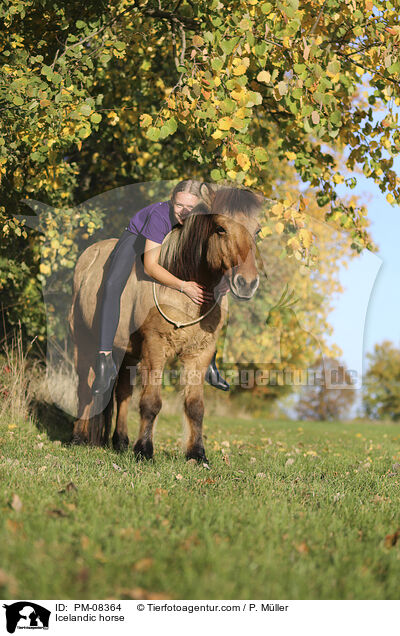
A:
[100,418]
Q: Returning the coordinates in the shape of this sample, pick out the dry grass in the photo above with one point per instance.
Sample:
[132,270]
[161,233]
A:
[14,377]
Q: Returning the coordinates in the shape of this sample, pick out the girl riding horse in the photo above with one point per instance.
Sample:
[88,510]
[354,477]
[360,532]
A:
[144,235]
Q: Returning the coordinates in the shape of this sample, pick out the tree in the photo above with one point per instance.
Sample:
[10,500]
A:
[330,395]
[381,388]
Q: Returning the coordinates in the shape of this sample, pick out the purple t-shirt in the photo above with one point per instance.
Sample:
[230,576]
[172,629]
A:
[153,222]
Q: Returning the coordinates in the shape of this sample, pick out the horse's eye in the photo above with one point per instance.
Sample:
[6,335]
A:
[220,229]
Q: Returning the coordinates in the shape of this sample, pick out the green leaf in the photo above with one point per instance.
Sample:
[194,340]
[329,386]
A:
[95,118]
[80,24]
[153,133]
[335,118]
[17,100]
[216,175]
[228,45]
[217,64]
[120,46]
[85,109]
[394,68]
[261,154]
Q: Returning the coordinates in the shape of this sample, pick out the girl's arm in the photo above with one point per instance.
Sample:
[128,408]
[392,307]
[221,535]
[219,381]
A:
[196,292]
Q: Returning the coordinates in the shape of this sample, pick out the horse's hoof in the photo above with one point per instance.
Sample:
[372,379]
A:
[120,443]
[143,450]
[197,454]
[79,440]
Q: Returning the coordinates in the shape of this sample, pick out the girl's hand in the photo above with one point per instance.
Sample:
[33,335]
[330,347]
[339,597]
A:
[197,293]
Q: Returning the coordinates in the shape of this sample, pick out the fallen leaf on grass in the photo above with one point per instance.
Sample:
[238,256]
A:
[391,539]
[143,564]
[178,476]
[16,503]
[302,548]
[226,459]
[260,475]
[290,461]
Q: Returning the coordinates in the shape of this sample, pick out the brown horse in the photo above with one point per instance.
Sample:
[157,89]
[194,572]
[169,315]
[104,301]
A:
[213,242]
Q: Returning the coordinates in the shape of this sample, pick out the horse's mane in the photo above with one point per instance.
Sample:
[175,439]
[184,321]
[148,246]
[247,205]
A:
[183,250]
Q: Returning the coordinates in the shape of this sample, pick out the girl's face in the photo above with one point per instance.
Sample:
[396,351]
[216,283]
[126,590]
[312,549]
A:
[183,204]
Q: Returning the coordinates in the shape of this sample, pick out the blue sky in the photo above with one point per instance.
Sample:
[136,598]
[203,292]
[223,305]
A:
[382,317]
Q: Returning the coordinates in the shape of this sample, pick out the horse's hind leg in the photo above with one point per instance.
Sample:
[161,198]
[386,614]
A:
[150,400]
[123,393]
[84,369]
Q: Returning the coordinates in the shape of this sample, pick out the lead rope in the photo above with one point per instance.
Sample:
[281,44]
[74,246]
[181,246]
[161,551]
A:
[176,322]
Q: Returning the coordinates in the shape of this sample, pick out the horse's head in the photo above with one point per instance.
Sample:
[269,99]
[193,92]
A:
[231,251]
[216,240]
[231,246]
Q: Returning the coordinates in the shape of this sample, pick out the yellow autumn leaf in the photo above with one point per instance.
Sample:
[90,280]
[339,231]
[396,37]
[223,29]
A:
[291,156]
[239,70]
[279,227]
[145,120]
[239,95]
[217,134]
[277,209]
[338,178]
[44,268]
[306,238]
[241,113]
[265,231]
[264,76]
[390,198]
[243,161]
[225,123]
[198,40]
[232,174]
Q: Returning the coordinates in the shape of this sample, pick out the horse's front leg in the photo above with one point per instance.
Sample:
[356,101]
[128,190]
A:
[123,393]
[194,372]
[152,366]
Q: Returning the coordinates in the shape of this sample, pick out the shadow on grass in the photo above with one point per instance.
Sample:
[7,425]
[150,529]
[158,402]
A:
[52,420]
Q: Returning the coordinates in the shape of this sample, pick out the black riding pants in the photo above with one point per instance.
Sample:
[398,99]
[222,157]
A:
[122,259]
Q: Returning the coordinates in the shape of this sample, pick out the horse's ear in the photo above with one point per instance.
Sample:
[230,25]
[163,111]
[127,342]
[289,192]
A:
[207,193]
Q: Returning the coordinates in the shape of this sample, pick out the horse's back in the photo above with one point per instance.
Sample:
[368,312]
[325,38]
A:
[88,277]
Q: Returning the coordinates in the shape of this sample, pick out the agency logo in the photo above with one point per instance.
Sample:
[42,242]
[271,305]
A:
[26,615]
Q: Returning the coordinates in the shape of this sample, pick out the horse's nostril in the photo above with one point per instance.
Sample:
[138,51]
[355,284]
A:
[241,281]
[254,283]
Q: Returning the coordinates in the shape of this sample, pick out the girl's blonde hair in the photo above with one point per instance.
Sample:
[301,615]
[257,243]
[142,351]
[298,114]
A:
[198,188]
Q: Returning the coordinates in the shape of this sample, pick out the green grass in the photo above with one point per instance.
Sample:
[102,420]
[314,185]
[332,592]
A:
[255,526]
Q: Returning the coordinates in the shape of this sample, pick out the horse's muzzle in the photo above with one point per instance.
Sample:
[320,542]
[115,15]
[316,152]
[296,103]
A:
[243,289]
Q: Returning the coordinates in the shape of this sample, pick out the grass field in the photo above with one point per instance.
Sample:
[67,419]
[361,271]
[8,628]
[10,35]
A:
[287,511]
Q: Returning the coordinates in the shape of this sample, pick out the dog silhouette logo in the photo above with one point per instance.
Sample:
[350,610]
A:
[26,615]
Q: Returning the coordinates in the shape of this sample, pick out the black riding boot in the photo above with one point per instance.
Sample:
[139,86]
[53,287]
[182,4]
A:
[105,373]
[214,378]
